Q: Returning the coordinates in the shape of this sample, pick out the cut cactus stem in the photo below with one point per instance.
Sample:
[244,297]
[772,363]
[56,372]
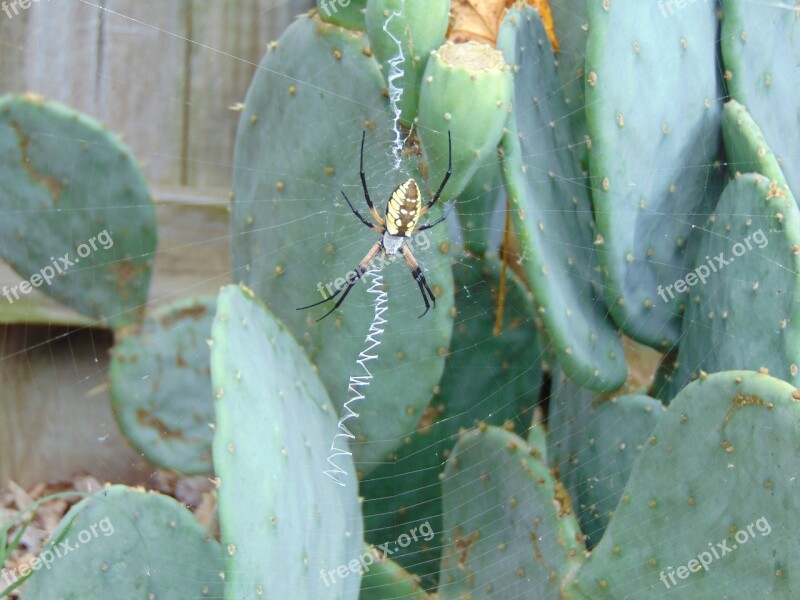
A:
[466,89]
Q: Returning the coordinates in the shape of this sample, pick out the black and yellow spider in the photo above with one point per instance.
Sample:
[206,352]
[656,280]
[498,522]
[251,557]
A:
[403,211]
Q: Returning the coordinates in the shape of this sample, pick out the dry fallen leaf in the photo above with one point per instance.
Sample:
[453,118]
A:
[480,20]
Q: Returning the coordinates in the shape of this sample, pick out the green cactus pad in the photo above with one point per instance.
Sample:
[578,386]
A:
[384,579]
[742,318]
[509,526]
[466,89]
[293,232]
[283,522]
[746,148]
[552,214]
[596,441]
[419,26]
[489,378]
[571,24]
[653,109]
[720,468]
[761,51]
[477,205]
[74,197]
[346,13]
[537,440]
[569,411]
[161,386]
[568,408]
[126,544]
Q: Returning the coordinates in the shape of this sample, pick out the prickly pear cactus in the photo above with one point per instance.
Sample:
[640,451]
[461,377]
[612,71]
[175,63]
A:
[572,29]
[466,89]
[295,236]
[569,407]
[761,50]
[653,109]
[477,206]
[537,440]
[279,543]
[743,307]
[384,579]
[79,224]
[346,13]
[702,506]
[509,526]
[403,33]
[595,442]
[552,214]
[161,386]
[489,378]
[746,148]
[127,544]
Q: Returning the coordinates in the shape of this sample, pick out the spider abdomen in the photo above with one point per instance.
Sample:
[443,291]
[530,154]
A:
[402,210]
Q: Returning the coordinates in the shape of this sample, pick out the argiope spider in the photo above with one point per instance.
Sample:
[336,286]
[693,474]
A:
[403,211]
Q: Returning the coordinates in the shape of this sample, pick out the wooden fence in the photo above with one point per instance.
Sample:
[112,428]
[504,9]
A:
[163,74]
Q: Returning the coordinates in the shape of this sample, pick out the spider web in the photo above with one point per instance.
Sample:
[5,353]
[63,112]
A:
[74,358]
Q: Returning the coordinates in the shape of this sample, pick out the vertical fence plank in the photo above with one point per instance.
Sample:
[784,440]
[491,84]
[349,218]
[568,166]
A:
[230,40]
[12,51]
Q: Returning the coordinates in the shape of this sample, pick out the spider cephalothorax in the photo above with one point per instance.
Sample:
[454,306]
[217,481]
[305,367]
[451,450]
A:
[403,211]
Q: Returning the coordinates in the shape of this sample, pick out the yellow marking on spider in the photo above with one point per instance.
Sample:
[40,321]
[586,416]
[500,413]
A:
[402,210]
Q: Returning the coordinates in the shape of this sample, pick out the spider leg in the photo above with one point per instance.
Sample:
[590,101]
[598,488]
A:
[358,214]
[351,280]
[437,221]
[419,277]
[375,213]
[428,206]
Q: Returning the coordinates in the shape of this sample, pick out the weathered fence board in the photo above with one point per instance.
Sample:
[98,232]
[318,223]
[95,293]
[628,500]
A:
[161,74]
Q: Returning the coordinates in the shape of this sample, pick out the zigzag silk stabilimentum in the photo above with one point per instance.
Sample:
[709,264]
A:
[373,340]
